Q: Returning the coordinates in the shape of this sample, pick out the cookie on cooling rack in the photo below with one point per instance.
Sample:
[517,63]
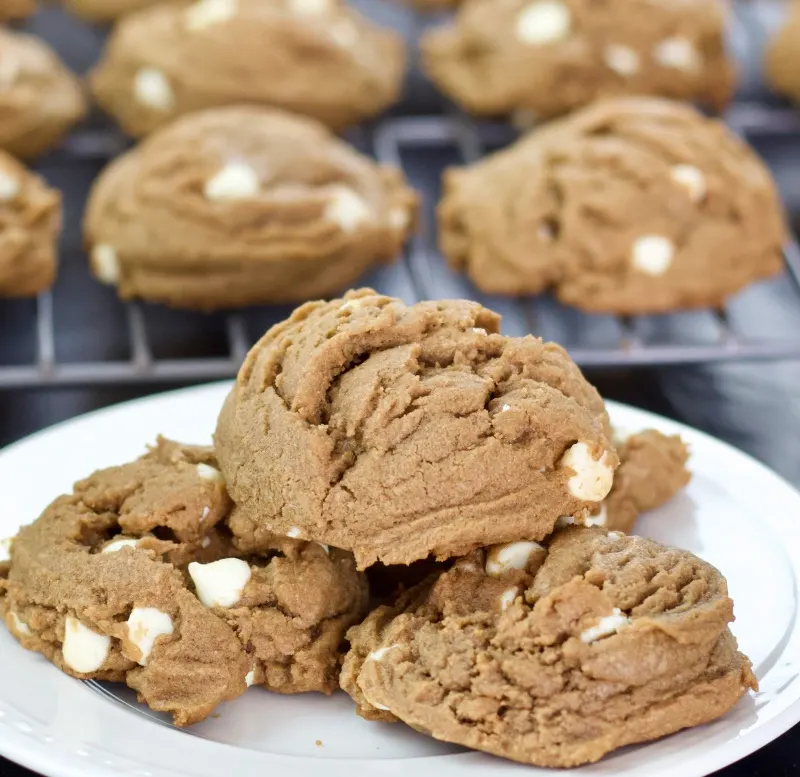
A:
[104,11]
[12,10]
[409,431]
[554,656]
[39,100]
[782,58]
[536,59]
[242,205]
[632,205]
[30,223]
[314,57]
[134,578]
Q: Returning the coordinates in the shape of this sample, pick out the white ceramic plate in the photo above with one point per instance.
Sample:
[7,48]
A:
[736,514]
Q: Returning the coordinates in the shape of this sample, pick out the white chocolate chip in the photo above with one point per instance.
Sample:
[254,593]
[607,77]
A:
[205,13]
[652,254]
[352,304]
[206,512]
[105,264]
[205,542]
[145,625]
[505,408]
[346,209]
[593,478]
[83,650]
[235,181]
[510,555]
[326,548]
[616,535]
[344,32]
[598,519]
[19,626]
[294,533]
[507,598]
[478,330]
[378,706]
[207,472]
[564,521]
[691,179]
[542,22]
[116,545]
[220,583]
[310,7]
[9,187]
[5,549]
[377,655]
[677,53]
[250,678]
[611,624]
[153,89]
[623,60]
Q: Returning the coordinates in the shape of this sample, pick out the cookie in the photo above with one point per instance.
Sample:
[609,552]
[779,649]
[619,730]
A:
[782,60]
[242,205]
[313,57]
[30,223]
[409,431]
[537,59]
[134,578]
[611,641]
[633,205]
[40,99]
[13,10]
[104,11]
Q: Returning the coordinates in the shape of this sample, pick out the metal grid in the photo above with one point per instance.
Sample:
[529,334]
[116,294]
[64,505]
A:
[412,142]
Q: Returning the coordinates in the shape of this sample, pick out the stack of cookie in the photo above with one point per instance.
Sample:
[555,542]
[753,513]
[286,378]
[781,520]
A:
[474,477]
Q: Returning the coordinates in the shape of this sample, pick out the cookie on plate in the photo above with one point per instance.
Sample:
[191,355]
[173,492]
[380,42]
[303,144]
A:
[40,99]
[134,578]
[30,223]
[313,57]
[104,11]
[632,205]
[409,431]
[12,10]
[782,58]
[554,656]
[535,59]
[241,205]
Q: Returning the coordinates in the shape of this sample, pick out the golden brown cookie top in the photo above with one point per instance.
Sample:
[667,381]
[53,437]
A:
[11,10]
[546,58]
[555,660]
[244,185]
[630,205]
[411,430]
[39,96]
[313,57]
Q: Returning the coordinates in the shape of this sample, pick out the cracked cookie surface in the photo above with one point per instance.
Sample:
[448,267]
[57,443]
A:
[597,642]
[408,431]
[30,224]
[317,59]
[243,205]
[134,578]
[630,206]
[40,99]
[536,59]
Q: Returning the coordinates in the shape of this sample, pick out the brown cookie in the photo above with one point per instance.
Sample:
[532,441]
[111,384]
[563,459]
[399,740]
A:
[30,223]
[630,206]
[408,431]
[40,99]
[554,657]
[104,11]
[242,205]
[314,57]
[543,58]
[13,10]
[133,578]
[782,58]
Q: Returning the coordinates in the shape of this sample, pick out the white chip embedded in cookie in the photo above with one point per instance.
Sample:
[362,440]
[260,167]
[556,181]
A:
[145,626]
[84,650]
[593,477]
[153,89]
[652,254]
[235,181]
[543,22]
[221,583]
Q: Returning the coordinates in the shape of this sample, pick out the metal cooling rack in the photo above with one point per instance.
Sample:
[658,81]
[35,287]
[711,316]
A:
[80,334]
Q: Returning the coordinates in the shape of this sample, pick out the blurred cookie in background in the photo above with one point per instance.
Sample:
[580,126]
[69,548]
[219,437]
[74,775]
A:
[314,57]
[40,100]
[632,205]
[30,223]
[104,11]
[243,205]
[782,58]
[12,10]
[535,59]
